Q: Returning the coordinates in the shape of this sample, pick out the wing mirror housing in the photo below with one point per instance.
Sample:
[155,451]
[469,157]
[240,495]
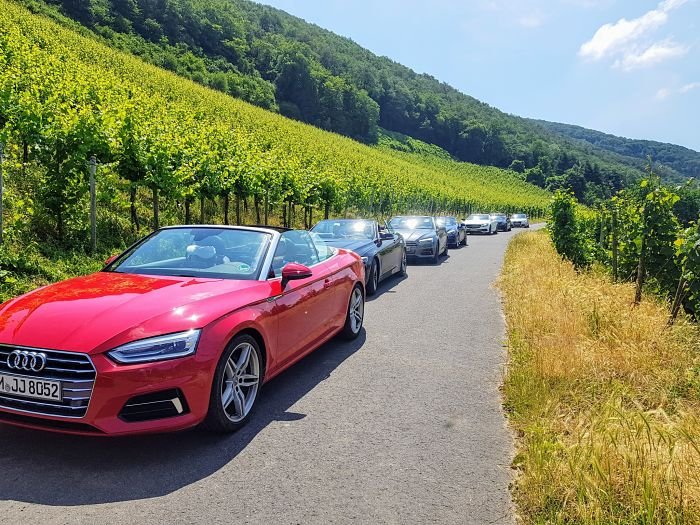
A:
[294,272]
[111,259]
[386,236]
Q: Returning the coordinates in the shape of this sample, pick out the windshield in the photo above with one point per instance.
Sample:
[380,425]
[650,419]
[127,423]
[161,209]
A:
[497,216]
[220,253]
[345,229]
[412,223]
[519,216]
[446,221]
[478,217]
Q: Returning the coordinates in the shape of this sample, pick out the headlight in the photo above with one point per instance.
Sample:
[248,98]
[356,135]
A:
[425,241]
[157,348]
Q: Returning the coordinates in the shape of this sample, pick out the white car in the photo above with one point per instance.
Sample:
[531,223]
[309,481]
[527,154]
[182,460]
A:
[519,220]
[481,223]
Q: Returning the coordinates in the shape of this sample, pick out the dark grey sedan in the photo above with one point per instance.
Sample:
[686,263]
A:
[456,231]
[383,252]
[425,239]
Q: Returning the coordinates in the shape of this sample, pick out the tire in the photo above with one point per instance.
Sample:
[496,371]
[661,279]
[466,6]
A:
[353,325]
[234,370]
[436,255]
[447,249]
[373,283]
[404,264]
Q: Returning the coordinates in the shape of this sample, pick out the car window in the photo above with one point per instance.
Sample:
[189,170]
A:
[295,246]
[345,229]
[224,253]
[323,250]
[412,223]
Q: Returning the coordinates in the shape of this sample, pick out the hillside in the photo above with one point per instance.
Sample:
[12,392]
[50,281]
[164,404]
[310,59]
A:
[153,130]
[676,161]
[280,62]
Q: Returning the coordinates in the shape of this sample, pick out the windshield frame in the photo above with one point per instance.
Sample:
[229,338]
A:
[264,259]
[359,237]
[394,228]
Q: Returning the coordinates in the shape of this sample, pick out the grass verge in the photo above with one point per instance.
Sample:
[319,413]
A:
[604,398]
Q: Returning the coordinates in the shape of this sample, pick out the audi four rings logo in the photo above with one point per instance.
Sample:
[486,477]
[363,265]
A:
[29,361]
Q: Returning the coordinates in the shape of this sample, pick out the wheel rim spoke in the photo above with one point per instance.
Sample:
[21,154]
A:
[243,360]
[227,396]
[248,380]
[239,402]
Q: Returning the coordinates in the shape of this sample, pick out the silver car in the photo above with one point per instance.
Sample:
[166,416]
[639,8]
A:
[481,223]
[425,239]
[519,220]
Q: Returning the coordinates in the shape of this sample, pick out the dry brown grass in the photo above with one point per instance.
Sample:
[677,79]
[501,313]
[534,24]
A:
[605,399]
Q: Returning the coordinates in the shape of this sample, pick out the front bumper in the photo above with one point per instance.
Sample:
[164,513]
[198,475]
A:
[519,224]
[116,385]
[479,229]
[415,252]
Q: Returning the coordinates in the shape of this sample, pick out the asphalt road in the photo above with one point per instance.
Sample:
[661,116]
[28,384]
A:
[403,425]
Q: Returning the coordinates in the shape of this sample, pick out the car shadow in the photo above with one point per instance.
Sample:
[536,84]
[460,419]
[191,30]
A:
[387,286]
[55,469]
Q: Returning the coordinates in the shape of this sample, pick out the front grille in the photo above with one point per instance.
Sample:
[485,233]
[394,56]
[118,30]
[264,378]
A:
[411,243]
[75,372]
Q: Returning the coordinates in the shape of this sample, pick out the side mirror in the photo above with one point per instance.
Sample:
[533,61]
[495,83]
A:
[294,272]
[386,236]
[111,259]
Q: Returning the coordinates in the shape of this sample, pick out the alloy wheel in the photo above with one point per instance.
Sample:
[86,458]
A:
[241,382]
[357,310]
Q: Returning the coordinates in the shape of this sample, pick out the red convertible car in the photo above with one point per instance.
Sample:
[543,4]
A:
[181,329]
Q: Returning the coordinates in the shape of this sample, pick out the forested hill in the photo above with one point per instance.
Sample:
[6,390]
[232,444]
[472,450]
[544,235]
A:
[280,62]
[684,162]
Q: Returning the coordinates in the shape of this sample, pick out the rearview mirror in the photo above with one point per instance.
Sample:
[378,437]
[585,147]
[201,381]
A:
[111,259]
[293,272]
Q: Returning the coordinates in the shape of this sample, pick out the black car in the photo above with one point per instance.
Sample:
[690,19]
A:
[456,231]
[383,253]
[502,221]
[425,239]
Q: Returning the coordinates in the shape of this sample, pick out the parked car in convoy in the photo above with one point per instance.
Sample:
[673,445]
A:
[456,231]
[424,238]
[383,253]
[502,221]
[182,328]
[481,223]
[519,220]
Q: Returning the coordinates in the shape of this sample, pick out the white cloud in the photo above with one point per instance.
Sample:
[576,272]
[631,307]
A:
[663,93]
[652,55]
[531,20]
[624,39]
[689,87]
[666,92]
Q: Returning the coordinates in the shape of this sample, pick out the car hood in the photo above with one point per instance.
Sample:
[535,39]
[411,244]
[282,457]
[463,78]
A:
[359,246]
[480,222]
[415,235]
[100,311]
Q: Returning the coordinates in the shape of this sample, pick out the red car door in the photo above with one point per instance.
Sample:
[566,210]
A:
[306,309]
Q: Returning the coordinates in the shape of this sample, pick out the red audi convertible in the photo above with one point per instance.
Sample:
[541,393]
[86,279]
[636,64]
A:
[181,329]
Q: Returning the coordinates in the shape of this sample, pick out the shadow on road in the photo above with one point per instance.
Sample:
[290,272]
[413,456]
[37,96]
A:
[54,469]
[387,286]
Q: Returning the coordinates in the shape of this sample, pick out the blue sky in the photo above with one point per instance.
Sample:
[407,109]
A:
[631,68]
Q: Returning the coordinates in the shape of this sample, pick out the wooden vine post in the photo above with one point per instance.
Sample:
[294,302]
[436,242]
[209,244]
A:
[93,204]
[2,159]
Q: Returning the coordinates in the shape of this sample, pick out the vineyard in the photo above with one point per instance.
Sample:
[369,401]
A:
[193,153]
[638,237]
